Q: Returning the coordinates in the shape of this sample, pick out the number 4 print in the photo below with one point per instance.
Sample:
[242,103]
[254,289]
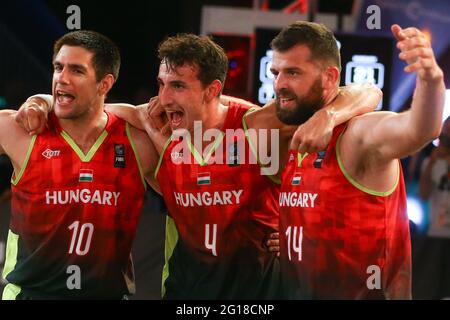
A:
[211,245]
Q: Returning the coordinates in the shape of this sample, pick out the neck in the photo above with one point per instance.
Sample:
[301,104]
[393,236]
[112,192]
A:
[85,129]
[330,95]
[214,116]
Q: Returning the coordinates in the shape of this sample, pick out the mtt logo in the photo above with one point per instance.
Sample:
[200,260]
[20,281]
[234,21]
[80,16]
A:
[50,153]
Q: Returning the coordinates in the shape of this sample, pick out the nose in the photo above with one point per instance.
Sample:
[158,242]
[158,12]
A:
[62,77]
[279,82]
[165,96]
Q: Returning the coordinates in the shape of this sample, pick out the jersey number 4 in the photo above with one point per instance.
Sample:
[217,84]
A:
[211,238]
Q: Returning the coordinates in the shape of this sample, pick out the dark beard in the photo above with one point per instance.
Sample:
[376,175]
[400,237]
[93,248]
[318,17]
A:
[305,106]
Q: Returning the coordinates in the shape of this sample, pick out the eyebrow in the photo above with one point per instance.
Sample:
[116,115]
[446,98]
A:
[173,82]
[71,65]
[287,69]
[178,82]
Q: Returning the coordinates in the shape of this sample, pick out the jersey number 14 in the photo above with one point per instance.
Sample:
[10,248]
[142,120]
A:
[294,237]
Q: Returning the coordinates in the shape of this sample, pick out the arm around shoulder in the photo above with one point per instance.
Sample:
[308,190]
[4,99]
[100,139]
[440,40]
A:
[127,112]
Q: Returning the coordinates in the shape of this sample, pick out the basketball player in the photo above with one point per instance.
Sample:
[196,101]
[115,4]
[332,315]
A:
[344,228]
[76,199]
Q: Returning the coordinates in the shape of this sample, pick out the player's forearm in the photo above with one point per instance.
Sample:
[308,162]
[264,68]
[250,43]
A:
[127,112]
[426,110]
[44,101]
[224,99]
[354,100]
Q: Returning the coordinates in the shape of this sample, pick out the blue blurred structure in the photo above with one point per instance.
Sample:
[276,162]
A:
[430,15]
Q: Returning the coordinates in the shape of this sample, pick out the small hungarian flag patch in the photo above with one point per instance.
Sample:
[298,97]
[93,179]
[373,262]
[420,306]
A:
[296,179]
[86,175]
[203,178]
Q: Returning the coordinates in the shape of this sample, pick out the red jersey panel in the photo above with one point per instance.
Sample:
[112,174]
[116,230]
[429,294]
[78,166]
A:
[338,241]
[223,213]
[76,219]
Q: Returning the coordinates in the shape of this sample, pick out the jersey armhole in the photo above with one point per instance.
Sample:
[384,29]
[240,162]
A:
[136,154]
[161,156]
[25,162]
[357,185]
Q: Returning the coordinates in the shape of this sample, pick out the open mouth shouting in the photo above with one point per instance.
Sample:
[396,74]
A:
[175,118]
[64,98]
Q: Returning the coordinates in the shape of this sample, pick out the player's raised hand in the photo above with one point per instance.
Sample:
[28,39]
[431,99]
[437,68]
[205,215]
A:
[415,49]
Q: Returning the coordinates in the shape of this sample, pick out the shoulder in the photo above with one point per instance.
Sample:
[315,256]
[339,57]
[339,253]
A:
[7,116]
[361,142]
[10,129]
[361,127]
[14,141]
[264,117]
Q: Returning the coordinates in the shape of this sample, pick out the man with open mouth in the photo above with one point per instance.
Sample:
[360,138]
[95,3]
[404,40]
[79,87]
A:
[78,186]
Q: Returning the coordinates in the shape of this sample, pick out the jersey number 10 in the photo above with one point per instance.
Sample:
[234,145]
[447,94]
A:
[84,236]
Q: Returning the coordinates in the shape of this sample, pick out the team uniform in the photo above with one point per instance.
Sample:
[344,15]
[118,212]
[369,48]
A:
[339,240]
[220,217]
[74,217]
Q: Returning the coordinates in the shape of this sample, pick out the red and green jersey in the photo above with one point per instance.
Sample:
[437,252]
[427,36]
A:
[74,216]
[220,216]
[338,239]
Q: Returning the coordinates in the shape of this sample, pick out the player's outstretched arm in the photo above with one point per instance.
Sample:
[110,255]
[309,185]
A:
[352,100]
[388,135]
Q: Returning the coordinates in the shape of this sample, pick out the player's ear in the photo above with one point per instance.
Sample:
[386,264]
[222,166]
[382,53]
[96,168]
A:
[330,77]
[106,84]
[213,90]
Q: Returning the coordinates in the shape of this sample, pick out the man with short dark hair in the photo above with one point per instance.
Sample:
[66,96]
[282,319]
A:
[344,229]
[75,200]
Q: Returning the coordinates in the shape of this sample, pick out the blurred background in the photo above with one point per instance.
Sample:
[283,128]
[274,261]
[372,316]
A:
[244,28]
